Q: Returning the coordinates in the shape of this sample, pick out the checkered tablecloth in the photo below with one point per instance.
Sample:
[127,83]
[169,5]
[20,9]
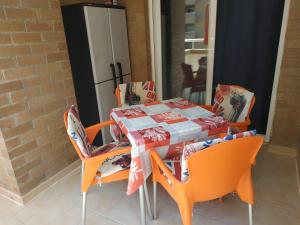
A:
[165,126]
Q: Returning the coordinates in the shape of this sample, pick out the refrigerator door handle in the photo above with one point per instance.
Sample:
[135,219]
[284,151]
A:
[119,65]
[113,71]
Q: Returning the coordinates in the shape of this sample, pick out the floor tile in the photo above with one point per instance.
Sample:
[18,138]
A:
[275,181]
[69,188]
[111,200]
[231,211]
[8,220]
[203,220]
[46,207]
[167,210]
[73,217]
[275,187]
[265,214]
[8,208]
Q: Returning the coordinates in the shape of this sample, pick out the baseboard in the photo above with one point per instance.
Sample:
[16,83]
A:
[298,170]
[282,150]
[22,200]
[11,196]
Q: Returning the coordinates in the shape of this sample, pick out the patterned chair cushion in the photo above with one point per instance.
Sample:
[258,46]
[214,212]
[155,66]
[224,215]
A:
[116,163]
[135,93]
[172,157]
[232,102]
[77,132]
[198,146]
[174,165]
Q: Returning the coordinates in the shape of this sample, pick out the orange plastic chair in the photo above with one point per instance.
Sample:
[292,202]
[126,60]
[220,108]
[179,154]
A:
[213,173]
[118,96]
[242,126]
[90,174]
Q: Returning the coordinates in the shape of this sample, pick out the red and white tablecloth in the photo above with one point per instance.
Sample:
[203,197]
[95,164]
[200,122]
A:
[166,126]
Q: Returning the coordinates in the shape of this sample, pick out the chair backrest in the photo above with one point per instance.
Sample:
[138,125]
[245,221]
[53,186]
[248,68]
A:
[77,149]
[223,168]
[189,79]
[135,93]
[202,71]
[252,100]
[234,112]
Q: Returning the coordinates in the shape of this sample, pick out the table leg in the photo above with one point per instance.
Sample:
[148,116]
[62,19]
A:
[142,205]
[148,201]
[81,178]
[154,200]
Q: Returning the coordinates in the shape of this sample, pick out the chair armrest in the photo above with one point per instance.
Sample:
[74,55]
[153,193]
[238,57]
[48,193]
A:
[207,107]
[154,102]
[102,157]
[222,135]
[92,131]
[157,161]
[247,122]
[118,96]
[91,166]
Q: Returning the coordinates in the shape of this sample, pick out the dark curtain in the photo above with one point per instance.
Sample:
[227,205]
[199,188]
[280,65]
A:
[247,37]
[165,6]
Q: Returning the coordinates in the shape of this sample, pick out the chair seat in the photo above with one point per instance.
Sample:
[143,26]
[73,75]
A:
[113,164]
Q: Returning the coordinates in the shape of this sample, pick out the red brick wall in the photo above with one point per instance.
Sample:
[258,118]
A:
[35,89]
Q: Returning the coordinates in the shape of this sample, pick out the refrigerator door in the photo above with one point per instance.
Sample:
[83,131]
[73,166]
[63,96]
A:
[124,79]
[106,101]
[98,29]
[127,79]
[117,18]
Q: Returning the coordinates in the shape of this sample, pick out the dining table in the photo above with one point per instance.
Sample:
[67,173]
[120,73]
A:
[164,126]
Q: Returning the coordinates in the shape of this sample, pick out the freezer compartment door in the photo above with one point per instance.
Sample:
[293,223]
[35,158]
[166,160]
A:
[106,101]
[98,29]
[119,38]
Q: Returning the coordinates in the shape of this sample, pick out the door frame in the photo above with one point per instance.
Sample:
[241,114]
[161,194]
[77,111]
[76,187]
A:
[156,54]
[280,51]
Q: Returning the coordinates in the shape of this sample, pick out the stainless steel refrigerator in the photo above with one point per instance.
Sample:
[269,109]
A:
[98,49]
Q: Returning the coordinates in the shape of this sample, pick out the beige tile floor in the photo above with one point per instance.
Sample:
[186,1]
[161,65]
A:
[276,193]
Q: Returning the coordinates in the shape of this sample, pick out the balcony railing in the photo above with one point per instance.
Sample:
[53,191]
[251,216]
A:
[190,2]
[193,42]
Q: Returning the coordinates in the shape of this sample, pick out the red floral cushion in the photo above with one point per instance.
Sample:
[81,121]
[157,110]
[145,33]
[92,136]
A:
[232,102]
[177,163]
[174,165]
[135,93]
[77,132]
[116,163]
[198,146]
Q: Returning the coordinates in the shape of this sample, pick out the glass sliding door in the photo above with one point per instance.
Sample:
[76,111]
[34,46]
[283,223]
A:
[185,48]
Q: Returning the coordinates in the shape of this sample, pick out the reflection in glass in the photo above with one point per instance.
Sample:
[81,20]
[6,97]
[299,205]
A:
[184,48]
